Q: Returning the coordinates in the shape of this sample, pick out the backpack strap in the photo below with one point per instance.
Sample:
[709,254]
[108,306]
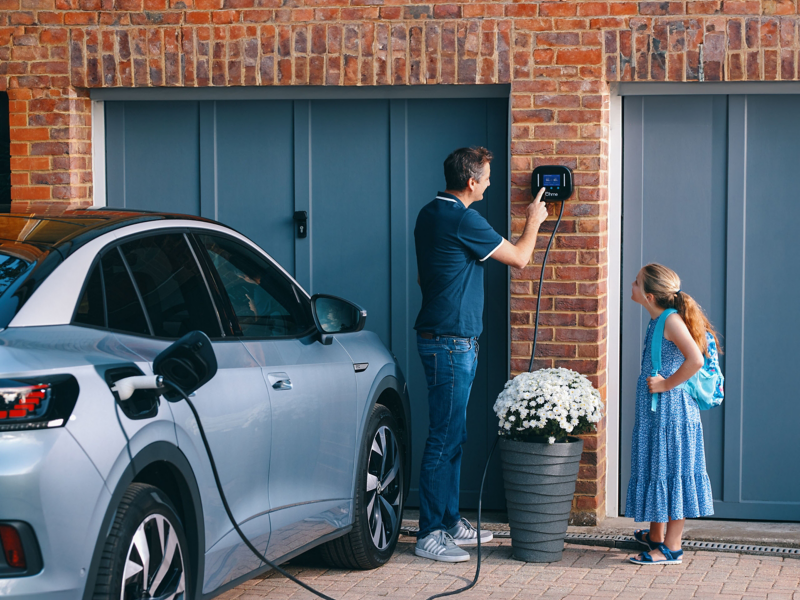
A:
[655,351]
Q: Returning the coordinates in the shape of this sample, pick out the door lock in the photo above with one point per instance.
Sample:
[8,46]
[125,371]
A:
[301,220]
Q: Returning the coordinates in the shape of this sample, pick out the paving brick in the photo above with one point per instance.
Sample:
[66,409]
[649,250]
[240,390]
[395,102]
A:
[583,573]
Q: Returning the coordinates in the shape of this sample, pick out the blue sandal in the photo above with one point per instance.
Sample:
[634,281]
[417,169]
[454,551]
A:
[643,537]
[671,557]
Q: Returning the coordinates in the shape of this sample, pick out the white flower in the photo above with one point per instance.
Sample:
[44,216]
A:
[551,440]
[547,397]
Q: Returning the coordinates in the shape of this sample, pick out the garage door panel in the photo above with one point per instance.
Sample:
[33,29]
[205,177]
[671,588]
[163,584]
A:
[154,164]
[675,156]
[255,177]
[433,132]
[770,330]
[350,206]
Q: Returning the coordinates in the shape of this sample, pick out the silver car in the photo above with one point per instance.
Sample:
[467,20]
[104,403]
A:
[307,416]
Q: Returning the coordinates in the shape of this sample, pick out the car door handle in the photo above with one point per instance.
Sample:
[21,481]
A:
[279,381]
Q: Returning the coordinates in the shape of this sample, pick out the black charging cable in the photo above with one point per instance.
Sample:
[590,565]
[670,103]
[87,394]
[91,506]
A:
[271,564]
[247,542]
[541,280]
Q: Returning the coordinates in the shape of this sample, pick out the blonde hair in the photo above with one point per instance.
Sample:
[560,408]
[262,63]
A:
[665,286]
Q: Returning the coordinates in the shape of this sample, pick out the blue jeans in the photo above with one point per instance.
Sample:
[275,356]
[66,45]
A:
[449,364]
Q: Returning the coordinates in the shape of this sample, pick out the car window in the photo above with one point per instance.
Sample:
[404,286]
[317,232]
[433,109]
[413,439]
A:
[265,302]
[123,307]
[91,309]
[11,269]
[174,293]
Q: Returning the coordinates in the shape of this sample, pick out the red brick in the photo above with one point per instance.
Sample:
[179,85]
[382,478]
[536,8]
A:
[570,24]
[770,65]
[623,9]
[326,14]
[532,116]
[565,101]
[581,366]
[660,8]
[593,9]
[779,7]
[788,69]
[50,18]
[225,17]
[700,7]
[22,179]
[577,273]
[558,9]
[389,13]
[753,66]
[533,24]
[558,132]
[522,10]
[607,23]
[447,11]
[53,36]
[579,116]
[76,18]
[578,57]
[359,14]
[30,193]
[557,39]
[544,56]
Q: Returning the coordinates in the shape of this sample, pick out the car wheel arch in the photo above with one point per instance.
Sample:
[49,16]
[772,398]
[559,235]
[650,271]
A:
[164,466]
[390,392]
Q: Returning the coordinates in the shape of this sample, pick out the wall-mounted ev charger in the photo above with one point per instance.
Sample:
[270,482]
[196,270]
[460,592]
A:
[556,181]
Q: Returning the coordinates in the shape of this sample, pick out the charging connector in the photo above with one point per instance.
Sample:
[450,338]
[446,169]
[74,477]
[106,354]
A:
[126,387]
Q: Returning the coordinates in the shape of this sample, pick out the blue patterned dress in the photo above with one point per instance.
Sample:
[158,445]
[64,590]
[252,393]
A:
[668,461]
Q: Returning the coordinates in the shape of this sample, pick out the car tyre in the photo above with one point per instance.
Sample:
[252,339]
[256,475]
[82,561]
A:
[378,499]
[146,553]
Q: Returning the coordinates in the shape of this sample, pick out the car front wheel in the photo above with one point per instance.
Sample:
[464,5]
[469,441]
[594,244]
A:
[378,499]
[145,555]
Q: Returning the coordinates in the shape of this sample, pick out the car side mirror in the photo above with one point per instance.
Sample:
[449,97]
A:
[336,315]
[189,363]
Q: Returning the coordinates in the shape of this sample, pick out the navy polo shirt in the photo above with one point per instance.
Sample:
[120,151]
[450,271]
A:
[452,243]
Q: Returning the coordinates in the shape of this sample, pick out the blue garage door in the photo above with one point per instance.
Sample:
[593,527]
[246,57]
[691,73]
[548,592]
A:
[710,190]
[362,169]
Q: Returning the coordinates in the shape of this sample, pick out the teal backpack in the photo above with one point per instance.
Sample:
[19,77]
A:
[706,386]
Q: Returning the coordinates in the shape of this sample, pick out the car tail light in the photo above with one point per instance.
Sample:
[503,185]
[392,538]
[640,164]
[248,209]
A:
[12,547]
[36,403]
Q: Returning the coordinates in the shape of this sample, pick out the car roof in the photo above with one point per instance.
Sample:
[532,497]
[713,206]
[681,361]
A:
[33,244]
[67,229]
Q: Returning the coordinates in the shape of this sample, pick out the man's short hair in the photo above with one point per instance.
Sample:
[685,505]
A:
[463,164]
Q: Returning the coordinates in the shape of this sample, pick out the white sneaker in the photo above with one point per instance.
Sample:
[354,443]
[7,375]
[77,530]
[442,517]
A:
[439,545]
[464,534]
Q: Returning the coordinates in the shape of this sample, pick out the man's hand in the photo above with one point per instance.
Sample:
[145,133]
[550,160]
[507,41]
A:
[519,254]
[537,210]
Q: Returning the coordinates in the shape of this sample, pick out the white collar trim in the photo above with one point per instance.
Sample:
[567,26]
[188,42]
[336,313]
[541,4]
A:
[446,199]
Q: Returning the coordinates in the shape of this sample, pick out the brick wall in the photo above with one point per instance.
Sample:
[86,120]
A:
[559,58]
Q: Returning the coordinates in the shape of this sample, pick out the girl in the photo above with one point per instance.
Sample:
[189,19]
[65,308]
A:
[668,482]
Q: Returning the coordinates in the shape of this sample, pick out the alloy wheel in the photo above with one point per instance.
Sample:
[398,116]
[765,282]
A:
[154,565]
[384,488]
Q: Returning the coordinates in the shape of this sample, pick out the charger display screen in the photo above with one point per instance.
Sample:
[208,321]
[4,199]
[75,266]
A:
[551,180]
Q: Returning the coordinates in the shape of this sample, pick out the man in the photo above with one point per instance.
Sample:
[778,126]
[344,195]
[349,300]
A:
[453,242]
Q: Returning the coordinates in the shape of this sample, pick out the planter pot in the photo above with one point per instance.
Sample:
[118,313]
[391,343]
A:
[539,481]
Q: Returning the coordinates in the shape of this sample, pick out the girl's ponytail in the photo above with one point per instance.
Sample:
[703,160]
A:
[665,285]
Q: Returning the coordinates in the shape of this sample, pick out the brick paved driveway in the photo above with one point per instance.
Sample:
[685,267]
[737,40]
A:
[585,572]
